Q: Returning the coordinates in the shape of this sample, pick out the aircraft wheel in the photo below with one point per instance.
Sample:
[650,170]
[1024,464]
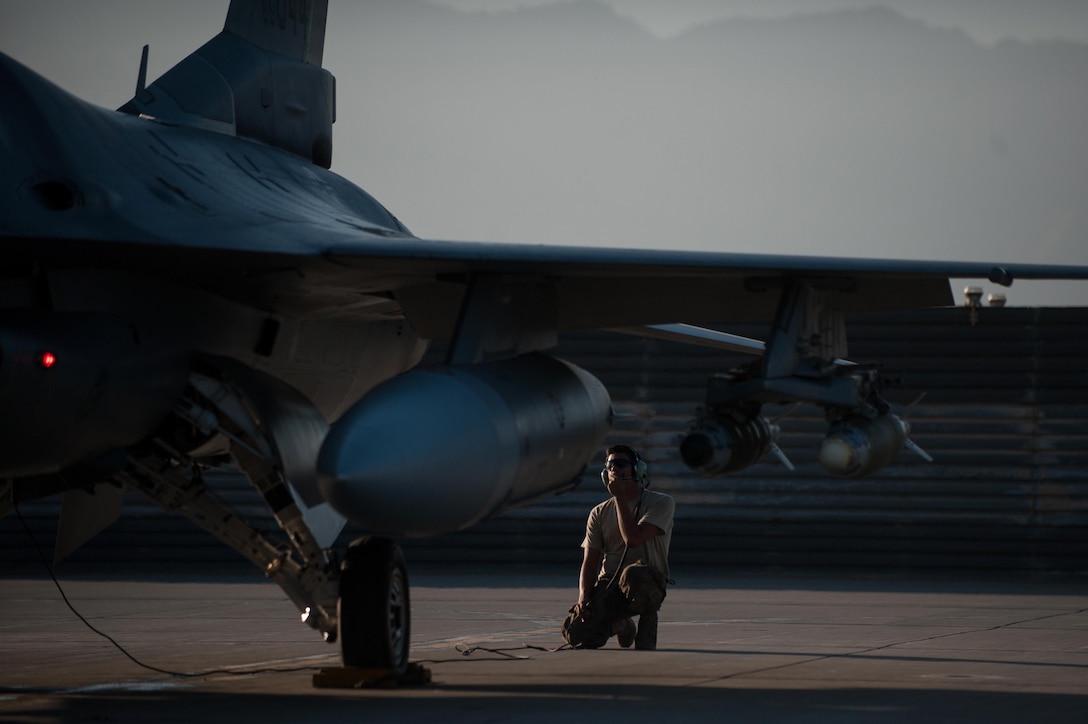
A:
[374,610]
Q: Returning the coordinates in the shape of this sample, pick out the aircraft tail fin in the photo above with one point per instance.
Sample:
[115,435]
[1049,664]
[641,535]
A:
[261,78]
[293,29]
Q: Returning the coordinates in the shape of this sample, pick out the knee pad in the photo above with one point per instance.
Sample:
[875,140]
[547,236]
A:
[644,587]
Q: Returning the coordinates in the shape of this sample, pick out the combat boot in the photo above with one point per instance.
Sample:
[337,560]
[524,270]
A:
[625,632]
[646,637]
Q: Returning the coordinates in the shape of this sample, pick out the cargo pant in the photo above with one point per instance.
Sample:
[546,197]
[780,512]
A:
[639,590]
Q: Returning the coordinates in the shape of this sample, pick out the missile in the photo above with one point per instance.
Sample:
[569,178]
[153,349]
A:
[857,446]
[436,450]
[717,447]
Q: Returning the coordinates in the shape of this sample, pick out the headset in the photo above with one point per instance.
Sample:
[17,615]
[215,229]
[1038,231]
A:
[640,469]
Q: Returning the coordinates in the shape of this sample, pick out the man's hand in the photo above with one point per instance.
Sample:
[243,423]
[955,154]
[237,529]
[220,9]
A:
[581,610]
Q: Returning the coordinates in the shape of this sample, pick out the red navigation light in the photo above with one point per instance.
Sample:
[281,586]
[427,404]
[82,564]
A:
[47,360]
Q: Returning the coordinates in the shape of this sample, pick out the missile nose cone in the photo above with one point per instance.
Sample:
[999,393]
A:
[697,450]
[858,446]
[837,456]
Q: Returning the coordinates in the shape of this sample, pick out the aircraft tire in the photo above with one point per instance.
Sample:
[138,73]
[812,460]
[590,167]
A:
[374,607]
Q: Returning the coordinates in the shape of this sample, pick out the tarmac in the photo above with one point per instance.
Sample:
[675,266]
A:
[782,648]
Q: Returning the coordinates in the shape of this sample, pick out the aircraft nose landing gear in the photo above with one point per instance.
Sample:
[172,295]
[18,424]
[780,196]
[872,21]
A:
[362,602]
[374,607]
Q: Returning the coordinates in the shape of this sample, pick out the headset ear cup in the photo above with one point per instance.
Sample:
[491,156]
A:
[604,478]
[640,470]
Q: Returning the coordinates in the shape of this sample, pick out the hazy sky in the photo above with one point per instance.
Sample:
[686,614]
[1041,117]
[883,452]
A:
[945,140]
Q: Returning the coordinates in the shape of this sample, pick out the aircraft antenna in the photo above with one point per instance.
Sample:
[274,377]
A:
[141,78]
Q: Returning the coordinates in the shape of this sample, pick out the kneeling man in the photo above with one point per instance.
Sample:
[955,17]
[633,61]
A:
[625,562]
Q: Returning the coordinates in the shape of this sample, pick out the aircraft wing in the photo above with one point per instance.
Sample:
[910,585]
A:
[597,287]
[312,267]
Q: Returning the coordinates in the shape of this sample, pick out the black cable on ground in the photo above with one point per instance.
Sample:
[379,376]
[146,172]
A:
[119,647]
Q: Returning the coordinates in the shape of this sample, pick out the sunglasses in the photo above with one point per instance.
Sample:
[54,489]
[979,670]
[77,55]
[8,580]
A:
[619,463]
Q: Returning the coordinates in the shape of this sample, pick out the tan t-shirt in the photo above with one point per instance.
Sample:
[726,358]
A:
[603,533]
